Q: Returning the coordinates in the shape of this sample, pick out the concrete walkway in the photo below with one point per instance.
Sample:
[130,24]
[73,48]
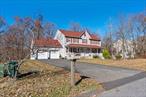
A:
[111,78]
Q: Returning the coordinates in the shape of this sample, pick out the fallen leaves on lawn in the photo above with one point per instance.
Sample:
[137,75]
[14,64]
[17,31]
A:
[139,64]
[48,81]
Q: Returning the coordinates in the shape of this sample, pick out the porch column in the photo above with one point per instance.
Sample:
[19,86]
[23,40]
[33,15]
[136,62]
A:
[70,50]
[80,51]
[91,52]
[84,51]
[99,50]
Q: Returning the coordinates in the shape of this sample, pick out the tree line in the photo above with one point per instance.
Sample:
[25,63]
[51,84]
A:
[16,38]
[131,28]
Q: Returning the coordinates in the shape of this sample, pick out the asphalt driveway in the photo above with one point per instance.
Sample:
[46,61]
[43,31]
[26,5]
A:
[111,78]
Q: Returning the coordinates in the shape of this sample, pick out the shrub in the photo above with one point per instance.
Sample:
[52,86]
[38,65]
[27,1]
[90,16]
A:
[60,56]
[106,54]
[95,56]
[118,56]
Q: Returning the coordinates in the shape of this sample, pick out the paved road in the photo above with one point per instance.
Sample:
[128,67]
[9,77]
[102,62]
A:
[110,77]
[133,89]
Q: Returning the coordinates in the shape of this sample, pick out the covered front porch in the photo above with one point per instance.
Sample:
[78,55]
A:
[83,51]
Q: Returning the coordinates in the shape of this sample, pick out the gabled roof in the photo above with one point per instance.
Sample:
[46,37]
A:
[94,37]
[47,42]
[71,33]
[75,34]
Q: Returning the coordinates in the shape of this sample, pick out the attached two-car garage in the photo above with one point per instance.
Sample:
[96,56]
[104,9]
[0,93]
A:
[53,54]
[46,49]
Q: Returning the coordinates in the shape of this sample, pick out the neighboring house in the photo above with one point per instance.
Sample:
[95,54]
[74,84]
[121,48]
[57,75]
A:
[46,49]
[128,46]
[83,44]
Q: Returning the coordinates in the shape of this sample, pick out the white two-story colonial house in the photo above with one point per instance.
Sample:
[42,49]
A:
[82,43]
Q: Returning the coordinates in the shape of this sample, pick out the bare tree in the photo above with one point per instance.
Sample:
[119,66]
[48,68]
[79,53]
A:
[131,35]
[49,29]
[3,27]
[16,39]
[109,38]
[38,29]
[122,34]
[133,30]
[76,27]
[141,30]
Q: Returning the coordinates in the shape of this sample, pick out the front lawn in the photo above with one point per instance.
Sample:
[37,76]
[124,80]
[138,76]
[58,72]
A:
[139,64]
[46,81]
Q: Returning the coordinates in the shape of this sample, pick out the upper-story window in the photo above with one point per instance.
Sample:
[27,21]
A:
[75,40]
[84,40]
[93,42]
[59,37]
[68,39]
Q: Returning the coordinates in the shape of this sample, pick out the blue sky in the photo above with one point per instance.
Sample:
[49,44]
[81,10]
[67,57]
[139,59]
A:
[93,14]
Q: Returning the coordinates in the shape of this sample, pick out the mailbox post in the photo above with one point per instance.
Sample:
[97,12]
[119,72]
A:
[73,60]
[73,71]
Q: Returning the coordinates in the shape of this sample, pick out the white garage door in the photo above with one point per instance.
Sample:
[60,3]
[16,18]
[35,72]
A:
[54,54]
[43,55]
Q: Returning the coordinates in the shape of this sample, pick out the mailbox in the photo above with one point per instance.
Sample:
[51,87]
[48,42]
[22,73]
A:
[73,56]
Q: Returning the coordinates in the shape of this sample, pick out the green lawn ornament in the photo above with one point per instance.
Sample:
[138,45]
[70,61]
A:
[10,69]
[3,71]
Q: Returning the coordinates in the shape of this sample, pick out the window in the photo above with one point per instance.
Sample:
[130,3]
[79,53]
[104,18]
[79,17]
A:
[75,40]
[84,40]
[68,39]
[59,37]
[93,42]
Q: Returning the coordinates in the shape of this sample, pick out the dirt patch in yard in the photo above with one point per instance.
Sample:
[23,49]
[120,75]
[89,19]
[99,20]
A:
[43,80]
[138,64]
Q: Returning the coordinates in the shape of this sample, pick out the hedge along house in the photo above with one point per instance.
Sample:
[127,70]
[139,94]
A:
[82,43]
[46,49]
